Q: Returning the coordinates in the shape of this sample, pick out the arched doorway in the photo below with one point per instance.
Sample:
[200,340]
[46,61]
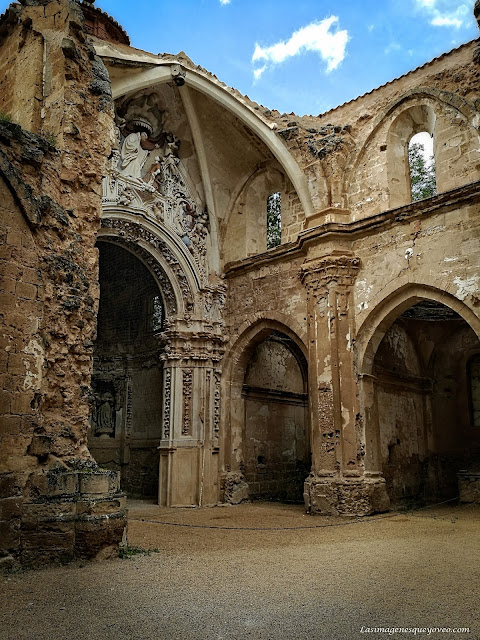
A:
[419,417]
[126,417]
[276,443]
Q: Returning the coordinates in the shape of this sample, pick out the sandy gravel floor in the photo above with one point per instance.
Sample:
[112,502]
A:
[261,571]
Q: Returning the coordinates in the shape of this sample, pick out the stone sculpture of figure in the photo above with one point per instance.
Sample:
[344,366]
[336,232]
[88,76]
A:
[171,145]
[134,154]
[105,417]
[155,179]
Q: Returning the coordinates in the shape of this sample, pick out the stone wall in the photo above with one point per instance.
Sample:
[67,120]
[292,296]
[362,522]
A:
[356,255]
[51,170]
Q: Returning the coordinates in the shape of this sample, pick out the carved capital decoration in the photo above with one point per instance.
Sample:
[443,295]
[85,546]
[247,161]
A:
[191,349]
[336,270]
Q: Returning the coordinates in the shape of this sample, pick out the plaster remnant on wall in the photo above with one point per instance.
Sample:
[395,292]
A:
[345,416]
[363,292]
[349,342]
[466,286]
[326,376]
[33,377]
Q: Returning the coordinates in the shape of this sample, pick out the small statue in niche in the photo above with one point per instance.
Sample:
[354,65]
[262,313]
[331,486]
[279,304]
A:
[104,417]
[134,154]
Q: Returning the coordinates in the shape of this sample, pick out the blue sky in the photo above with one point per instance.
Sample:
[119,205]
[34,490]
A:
[305,56]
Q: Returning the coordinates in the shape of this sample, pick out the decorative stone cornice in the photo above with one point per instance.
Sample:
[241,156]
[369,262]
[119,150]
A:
[332,270]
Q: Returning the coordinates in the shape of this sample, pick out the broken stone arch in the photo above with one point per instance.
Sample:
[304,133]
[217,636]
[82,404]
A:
[412,355]
[270,461]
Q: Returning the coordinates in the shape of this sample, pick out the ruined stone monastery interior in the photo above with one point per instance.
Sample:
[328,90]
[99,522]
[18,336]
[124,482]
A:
[154,344]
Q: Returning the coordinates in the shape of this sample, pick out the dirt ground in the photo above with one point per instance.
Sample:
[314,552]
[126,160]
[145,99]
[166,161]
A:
[262,571]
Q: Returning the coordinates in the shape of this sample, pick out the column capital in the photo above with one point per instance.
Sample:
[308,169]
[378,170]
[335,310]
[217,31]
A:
[320,274]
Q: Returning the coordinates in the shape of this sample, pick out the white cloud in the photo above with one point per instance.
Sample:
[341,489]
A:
[393,46]
[426,3]
[314,37]
[445,13]
[446,21]
[224,1]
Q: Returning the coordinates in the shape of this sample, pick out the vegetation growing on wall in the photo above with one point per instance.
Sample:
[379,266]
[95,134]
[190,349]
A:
[274,220]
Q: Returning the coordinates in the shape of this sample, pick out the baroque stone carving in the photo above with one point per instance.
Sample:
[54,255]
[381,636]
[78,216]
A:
[107,401]
[187,402]
[214,301]
[104,415]
[130,233]
[133,155]
[216,409]
[141,114]
[146,176]
[167,403]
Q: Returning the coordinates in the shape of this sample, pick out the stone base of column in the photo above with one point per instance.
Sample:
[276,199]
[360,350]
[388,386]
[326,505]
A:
[345,496]
[469,485]
[63,515]
[234,489]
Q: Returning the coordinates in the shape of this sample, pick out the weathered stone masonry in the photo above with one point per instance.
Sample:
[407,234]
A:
[55,503]
[145,328]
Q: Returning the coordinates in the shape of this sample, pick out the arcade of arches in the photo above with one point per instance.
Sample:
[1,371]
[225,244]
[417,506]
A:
[156,339]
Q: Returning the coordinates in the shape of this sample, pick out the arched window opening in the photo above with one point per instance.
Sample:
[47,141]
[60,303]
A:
[474,385]
[274,220]
[421,162]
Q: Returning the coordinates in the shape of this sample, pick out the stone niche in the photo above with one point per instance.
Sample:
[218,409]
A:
[276,450]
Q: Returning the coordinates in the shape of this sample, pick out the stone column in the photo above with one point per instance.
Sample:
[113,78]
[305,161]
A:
[337,482]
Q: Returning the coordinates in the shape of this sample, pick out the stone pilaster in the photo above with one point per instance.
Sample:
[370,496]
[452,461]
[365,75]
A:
[191,419]
[337,483]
